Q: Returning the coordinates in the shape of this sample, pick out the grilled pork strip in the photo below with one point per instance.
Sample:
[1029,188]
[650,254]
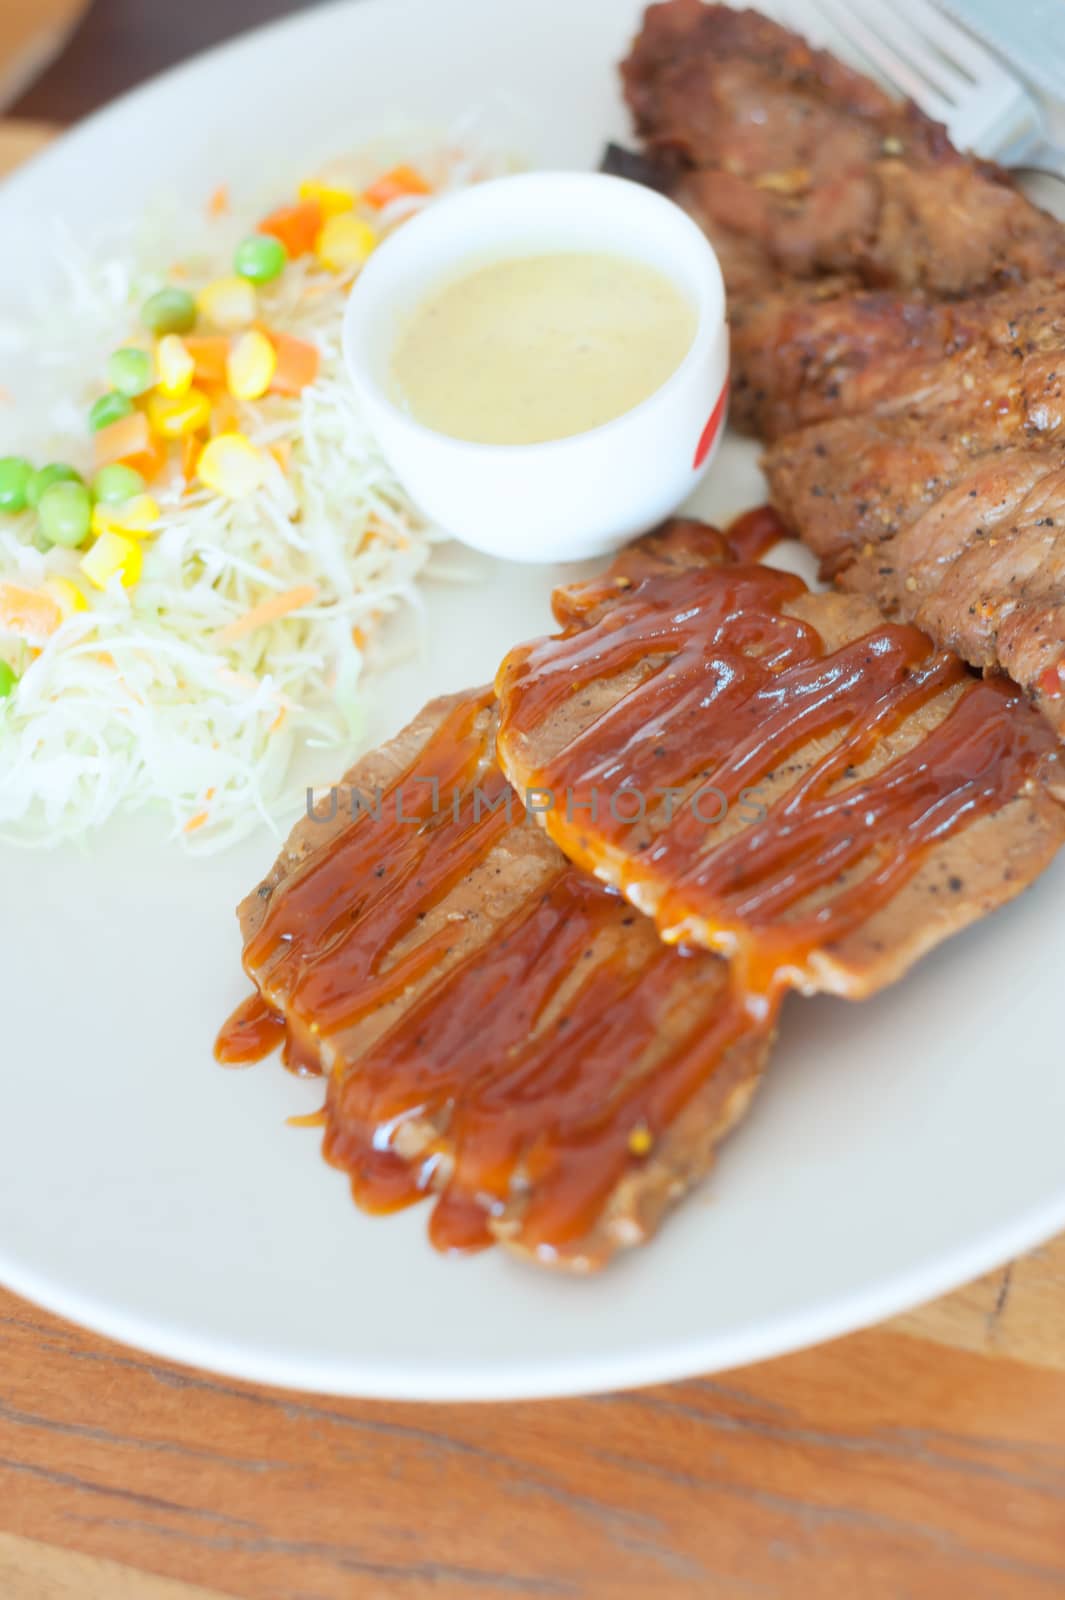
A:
[779,775]
[799,167]
[804,360]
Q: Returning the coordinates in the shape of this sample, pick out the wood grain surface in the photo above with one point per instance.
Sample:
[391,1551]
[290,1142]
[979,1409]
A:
[924,1460]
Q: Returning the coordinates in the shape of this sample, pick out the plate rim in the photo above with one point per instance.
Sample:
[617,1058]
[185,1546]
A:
[423,1378]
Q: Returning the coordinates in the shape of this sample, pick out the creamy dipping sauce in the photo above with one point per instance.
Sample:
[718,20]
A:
[541,347]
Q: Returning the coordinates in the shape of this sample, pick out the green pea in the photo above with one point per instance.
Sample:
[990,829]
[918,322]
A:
[15,475]
[109,408]
[44,477]
[116,483]
[130,371]
[8,680]
[260,258]
[65,514]
[169,311]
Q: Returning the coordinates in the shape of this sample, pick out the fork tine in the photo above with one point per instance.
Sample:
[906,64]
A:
[952,81]
[882,58]
[950,38]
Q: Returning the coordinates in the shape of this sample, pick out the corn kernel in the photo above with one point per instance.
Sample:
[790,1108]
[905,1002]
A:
[66,594]
[136,517]
[250,365]
[334,198]
[230,465]
[228,303]
[173,417]
[345,242]
[174,366]
[113,554]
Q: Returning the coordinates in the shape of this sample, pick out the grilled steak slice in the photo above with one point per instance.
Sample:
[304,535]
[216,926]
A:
[799,167]
[779,775]
[849,483]
[804,360]
[944,503]
[983,572]
[499,1030]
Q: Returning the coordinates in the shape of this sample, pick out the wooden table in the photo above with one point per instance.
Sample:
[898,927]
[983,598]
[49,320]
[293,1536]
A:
[922,1459]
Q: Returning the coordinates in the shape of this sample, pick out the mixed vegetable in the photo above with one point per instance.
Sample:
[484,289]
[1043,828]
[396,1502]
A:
[197,587]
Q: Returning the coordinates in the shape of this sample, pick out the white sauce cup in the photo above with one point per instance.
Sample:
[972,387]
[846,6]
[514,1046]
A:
[570,498]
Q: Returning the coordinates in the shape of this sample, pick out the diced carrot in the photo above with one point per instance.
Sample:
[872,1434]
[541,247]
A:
[218,204]
[119,440]
[225,416]
[296,226]
[209,352]
[151,461]
[278,605]
[131,441]
[28,612]
[394,185]
[297,363]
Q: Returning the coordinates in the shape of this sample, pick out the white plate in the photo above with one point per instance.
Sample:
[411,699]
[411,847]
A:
[898,1148]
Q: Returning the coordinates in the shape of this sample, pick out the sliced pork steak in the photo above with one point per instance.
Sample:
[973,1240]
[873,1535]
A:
[799,167]
[778,775]
[499,1030]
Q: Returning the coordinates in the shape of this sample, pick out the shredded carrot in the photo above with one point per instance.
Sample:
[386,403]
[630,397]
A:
[278,720]
[281,450]
[236,680]
[278,605]
[392,185]
[358,638]
[196,822]
[218,204]
[190,454]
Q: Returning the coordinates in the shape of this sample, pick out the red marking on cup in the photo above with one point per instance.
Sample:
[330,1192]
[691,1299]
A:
[710,432]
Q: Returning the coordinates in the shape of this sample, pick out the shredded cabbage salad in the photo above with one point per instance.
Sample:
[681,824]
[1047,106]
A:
[248,632]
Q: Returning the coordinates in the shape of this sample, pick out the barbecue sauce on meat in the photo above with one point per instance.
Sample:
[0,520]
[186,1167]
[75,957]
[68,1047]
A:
[750,536]
[514,1051]
[734,686]
[252,1032]
[508,1060]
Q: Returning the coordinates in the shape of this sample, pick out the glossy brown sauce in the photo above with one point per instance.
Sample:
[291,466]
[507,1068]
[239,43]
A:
[750,536]
[734,687]
[514,1072]
[516,1091]
[533,1069]
[252,1032]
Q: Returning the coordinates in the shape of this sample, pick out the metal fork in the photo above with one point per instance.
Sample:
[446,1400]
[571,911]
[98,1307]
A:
[914,48]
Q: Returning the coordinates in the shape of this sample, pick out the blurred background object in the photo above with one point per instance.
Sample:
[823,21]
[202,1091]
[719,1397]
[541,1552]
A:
[118,44]
[31,33]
